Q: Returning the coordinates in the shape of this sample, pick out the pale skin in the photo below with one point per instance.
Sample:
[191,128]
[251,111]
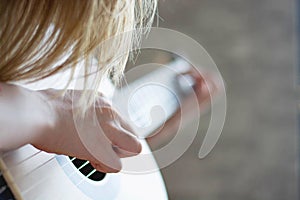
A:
[46,121]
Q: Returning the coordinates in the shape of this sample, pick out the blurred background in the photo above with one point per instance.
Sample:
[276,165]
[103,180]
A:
[253,43]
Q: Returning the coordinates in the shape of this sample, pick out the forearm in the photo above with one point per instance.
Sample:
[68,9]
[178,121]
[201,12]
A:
[24,115]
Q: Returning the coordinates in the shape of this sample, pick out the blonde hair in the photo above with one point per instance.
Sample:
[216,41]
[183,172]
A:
[35,35]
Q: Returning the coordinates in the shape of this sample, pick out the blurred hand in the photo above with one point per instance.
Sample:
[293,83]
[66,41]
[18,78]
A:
[202,87]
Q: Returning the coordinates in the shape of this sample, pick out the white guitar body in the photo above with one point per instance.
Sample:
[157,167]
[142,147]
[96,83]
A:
[32,174]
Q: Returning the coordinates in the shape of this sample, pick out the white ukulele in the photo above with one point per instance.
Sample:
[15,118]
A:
[31,174]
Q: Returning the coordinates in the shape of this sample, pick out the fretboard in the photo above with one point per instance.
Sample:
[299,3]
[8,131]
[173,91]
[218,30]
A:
[148,102]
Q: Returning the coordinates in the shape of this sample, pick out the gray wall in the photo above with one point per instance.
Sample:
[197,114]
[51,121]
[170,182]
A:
[253,44]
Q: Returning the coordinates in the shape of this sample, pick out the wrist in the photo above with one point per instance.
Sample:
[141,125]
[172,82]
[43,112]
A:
[47,114]
[25,115]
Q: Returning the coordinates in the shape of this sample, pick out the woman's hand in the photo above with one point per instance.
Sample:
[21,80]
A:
[46,120]
[203,85]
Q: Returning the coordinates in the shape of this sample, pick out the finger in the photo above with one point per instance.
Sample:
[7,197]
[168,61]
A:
[96,146]
[205,85]
[119,132]
[193,77]
[123,153]
[100,163]
[124,124]
[106,112]
[124,140]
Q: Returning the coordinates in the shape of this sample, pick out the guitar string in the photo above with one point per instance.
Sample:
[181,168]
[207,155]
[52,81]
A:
[35,154]
[45,177]
[43,164]
[63,166]
[82,179]
[5,154]
[46,162]
[39,182]
[9,169]
[36,168]
[20,177]
[167,100]
[135,102]
[74,171]
[83,165]
[22,161]
[24,176]
[94,170]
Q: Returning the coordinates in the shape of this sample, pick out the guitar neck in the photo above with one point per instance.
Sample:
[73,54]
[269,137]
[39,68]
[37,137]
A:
[148,102]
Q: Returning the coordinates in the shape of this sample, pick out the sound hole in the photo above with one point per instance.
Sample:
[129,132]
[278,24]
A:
[87,169]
